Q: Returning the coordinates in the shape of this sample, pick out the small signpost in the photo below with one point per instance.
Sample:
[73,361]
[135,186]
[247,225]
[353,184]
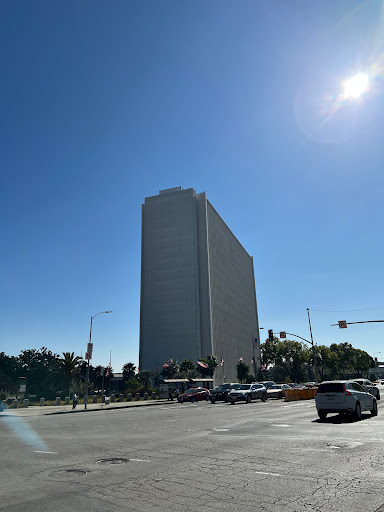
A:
[342,324]
[88,354]
[283,334]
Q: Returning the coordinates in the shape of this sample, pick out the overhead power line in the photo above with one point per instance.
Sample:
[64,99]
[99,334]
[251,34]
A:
[344,310]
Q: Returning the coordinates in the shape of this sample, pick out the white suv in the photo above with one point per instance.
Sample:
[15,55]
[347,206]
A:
[344,397]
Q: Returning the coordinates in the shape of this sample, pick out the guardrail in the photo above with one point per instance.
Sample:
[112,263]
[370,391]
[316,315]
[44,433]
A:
[299,394]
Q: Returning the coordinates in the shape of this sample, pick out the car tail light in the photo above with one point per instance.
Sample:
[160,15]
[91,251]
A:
[346,392]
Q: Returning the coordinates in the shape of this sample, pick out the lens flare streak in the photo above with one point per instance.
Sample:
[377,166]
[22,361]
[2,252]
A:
[24,432]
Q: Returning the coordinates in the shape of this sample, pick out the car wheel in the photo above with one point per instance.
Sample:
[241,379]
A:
[264,397]
[193,399]
[249,399]
[378,395]
[322,414]
[213,401]
[374,409]
[280,395]
[232,403]
[358,411]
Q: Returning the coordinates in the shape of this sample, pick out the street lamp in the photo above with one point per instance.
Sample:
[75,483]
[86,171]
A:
[377,373]
[87,377]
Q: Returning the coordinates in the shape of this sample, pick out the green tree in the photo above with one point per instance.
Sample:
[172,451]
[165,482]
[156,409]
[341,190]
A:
[170,368]
[129,371]
[9,373]
[69,368]
[212,363]
[187,368]
[40,369]
[242,371]
[145,378]
[269,351]
[292,356]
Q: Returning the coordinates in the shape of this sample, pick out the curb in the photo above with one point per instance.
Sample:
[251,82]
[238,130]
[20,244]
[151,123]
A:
[108,408]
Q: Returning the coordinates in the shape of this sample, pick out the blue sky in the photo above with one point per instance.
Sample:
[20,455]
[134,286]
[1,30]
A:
[106,103]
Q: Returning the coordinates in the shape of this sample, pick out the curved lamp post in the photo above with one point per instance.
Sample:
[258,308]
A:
[87,378]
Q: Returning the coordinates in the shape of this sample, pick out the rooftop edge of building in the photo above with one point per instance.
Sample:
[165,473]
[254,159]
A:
[170,191]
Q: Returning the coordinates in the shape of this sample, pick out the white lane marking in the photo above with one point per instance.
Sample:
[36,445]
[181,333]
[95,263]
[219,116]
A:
[220,429]
[41,451]
[138,460]
[265,473]
[280,425]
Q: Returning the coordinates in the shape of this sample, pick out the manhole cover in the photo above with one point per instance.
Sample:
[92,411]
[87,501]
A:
[112,460]
[69,474]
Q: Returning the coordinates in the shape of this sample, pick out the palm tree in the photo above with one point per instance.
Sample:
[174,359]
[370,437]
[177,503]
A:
[69,367]
[129,371]
[145,377]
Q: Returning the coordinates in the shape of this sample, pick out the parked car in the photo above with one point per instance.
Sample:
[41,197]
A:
[247,393]
[193,395]
[369,386]
[268,383]
[221,392]
[344,397]
[277,390]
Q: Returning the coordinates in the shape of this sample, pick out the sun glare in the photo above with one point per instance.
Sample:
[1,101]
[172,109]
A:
[355,86]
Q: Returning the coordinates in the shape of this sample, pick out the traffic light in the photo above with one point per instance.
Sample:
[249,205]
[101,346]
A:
[270,334]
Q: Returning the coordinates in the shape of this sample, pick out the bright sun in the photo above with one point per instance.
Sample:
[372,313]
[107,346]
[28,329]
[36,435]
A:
[355,86]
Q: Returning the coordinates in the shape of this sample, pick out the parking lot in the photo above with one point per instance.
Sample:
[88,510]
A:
[263,456]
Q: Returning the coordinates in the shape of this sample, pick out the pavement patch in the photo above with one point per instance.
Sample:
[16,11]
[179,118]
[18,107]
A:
[112,460]
[265,473]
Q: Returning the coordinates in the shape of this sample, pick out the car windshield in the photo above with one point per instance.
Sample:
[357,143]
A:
[275,387]
[223,387]
[192,390]
[244,386]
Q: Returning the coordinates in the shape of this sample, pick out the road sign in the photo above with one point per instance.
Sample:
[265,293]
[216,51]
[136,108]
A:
[283,334]
[342,324]
[88,355]
[90,350]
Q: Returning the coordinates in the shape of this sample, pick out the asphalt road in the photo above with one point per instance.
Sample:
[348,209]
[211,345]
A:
[271,456]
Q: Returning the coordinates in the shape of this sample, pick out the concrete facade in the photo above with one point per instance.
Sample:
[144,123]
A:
[197,286]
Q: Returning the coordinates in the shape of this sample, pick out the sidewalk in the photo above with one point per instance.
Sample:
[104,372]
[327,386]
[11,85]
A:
[35,410]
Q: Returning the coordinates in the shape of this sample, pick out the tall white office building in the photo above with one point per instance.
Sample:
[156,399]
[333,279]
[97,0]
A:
[198,292]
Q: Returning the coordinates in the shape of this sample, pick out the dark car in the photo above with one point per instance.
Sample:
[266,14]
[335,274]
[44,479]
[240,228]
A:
[193,395]
[220,393]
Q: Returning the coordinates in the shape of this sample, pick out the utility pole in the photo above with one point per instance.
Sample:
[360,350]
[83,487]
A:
[313,348]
